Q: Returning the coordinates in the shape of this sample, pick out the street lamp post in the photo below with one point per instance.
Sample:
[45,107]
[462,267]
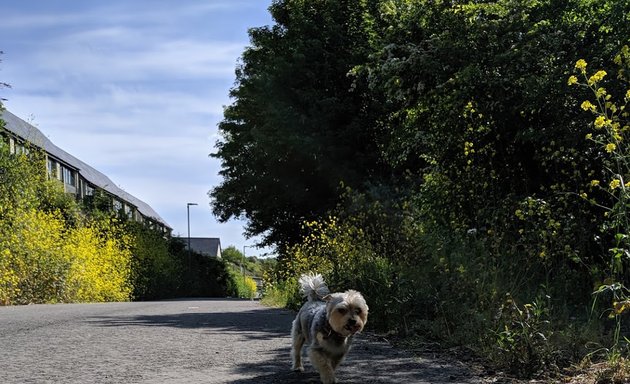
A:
[245,246]
[189,250]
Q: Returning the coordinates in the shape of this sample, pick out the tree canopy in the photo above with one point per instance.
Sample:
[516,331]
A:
[299,123]
[466,101]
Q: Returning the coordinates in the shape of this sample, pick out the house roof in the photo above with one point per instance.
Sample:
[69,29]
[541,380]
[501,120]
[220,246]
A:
[33,135]
[207,246]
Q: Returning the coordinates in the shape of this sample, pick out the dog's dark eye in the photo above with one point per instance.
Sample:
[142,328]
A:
[342,311]
[358,311]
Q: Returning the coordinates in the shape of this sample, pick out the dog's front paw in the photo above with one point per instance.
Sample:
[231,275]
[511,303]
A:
[328,379]
[298,368]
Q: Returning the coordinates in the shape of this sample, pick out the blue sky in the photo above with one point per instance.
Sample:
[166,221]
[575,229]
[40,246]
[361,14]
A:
[135,89]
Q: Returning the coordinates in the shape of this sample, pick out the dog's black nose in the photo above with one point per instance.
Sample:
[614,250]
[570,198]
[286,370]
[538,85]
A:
[352,322]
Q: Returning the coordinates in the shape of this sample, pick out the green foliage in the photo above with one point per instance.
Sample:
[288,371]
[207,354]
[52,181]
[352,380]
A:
[475,180]
[54,250]
[609,136]
[295,130]
[242,286]
[155,272]
[100,259]
[48,251]
[280,294]
[524,341]
[251,264]
[199,276]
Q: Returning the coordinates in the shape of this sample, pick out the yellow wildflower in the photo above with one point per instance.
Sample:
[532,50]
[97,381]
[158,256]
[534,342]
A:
[597,77]
[589,136]
[581,65]
[594,183]
[615,184]
[468,148]
[601,91]
[600,121]
[586,105]
[572,80]
[610,147]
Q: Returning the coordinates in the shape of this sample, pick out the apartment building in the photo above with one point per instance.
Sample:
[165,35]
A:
[78,178]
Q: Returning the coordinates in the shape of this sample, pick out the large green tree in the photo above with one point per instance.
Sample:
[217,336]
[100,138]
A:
[298,127]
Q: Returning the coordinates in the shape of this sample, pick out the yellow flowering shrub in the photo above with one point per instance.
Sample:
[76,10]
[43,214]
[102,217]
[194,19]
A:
[328,247]
[100,269]
[251,287]
[612,124]
[48,251]
[33,254]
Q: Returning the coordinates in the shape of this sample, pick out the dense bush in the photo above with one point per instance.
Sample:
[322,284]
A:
[491,208]
[53,249]
[50,252]
[200,276]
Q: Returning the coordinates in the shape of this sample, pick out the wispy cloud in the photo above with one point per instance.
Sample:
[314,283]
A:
[133,88]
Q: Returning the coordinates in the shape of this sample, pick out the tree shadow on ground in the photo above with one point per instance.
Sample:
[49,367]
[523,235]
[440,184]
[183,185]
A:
[369,361]
[257,324]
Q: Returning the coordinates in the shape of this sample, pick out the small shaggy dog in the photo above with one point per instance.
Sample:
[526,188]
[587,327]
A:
[327,322]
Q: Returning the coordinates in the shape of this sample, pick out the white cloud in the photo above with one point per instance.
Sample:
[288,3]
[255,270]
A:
[135,89]
[123,60]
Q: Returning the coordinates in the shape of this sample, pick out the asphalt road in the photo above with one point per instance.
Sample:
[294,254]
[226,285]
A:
[183,341]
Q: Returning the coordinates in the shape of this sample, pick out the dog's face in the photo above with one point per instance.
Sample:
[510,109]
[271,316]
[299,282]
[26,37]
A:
[347,312]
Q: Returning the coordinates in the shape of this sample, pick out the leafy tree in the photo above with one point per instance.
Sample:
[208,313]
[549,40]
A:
[487,206]
[233,255]
[297,127]
[156,273]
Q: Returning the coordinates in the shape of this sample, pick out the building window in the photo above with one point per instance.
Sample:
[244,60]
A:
[67,176]
[20,149]
[117,204]
[52,168]
[129,211]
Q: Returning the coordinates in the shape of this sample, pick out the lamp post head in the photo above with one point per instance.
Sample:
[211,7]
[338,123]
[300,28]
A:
[189,204]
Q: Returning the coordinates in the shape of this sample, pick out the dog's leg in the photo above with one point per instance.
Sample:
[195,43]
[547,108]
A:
[323,365]
[335,362]
[296,350]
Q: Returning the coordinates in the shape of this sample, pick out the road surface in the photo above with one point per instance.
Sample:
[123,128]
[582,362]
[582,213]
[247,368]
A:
[183,341]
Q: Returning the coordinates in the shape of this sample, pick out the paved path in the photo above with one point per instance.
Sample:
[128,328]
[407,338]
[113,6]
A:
[182,341]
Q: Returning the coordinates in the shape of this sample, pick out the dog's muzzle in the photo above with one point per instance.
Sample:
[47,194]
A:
[353,326]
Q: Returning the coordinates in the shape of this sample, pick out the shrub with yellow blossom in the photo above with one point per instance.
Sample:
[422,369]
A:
[612,125]
[48,251]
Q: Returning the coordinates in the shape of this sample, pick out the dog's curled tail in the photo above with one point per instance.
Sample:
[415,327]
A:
[313,286]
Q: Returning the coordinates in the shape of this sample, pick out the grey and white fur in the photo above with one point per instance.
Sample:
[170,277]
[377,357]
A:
[327,322]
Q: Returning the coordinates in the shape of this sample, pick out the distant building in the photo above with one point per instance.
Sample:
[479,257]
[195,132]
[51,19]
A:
[206,246]
[77,177]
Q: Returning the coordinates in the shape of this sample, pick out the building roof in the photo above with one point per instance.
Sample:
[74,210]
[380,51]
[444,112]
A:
[34,136]
[206,246]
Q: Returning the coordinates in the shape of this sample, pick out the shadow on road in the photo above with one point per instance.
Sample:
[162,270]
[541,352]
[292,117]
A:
[257,324]
[370,360]
[274,370]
